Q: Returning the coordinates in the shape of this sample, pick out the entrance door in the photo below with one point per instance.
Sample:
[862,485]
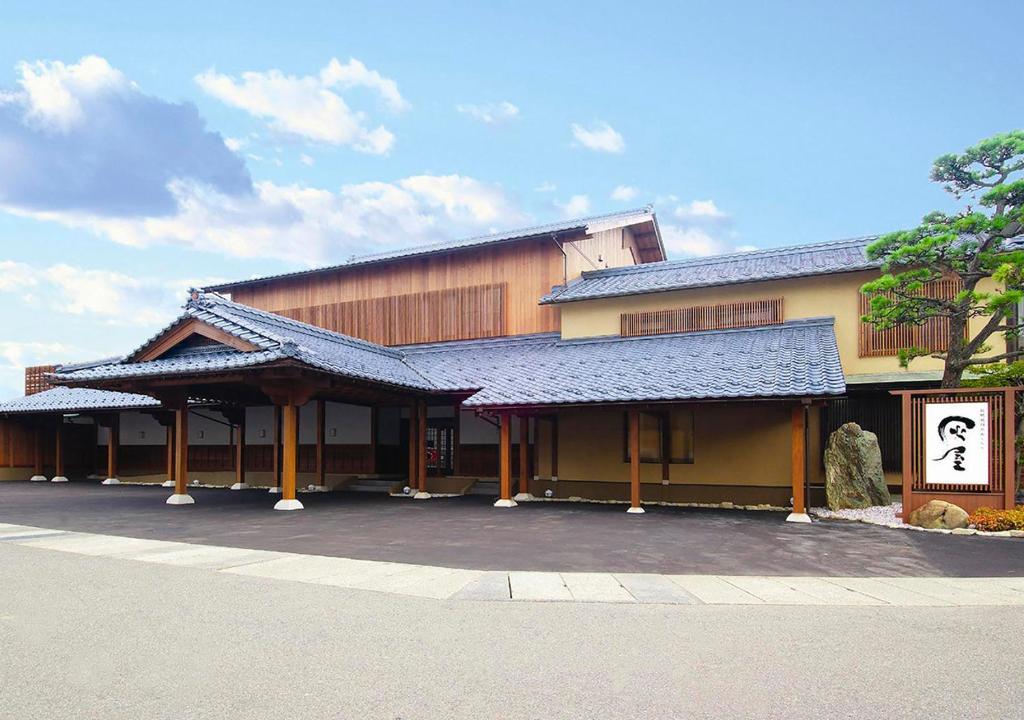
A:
[440,447]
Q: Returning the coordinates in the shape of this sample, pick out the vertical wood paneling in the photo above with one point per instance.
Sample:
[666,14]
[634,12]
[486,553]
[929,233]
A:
[35,378]
[746,313]
[932,334]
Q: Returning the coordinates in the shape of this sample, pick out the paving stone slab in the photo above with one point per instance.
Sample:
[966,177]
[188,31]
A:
[829,593]
[652,588]
[714,590]
[892,594]
[1000,592]
[422,581]
[206,556]
[538,586]
[301,568]
[492,586]
[596,587]
[771,590]
[947,592]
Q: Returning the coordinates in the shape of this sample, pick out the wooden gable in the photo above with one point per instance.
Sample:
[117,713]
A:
[188,333]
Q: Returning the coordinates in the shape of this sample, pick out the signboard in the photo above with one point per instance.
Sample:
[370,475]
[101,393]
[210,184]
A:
[956,443]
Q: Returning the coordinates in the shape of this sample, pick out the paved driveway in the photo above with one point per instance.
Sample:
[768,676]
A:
[466,532]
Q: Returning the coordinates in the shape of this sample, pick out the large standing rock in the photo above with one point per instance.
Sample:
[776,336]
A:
[939,514]
[853,469]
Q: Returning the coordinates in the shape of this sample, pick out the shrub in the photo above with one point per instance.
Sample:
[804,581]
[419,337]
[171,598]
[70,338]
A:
[995,520]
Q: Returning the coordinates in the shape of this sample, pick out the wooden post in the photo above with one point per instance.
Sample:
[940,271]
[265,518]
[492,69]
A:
[456,439]
[37,452]
[113,442]
[321,459]
[290,457]
[798,463]
[277,448]
[1009,448]
[634,462]
[414,464]
[554,448]
[524,458]
[170,453]
[908,471]
[421,449]
[505,461]
[240,483]
[180,496]
[58,470]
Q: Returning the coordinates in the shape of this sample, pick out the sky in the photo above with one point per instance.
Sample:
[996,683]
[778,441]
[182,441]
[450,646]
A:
[145,150]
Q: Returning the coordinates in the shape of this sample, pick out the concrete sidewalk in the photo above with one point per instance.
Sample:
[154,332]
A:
[443,583]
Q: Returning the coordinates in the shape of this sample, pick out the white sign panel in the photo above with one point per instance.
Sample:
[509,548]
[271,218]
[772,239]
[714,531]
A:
[956,443]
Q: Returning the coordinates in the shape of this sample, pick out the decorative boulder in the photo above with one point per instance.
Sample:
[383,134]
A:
[853,470]
[939,514]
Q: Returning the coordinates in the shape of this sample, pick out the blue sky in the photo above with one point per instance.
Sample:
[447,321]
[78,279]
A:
[144,150]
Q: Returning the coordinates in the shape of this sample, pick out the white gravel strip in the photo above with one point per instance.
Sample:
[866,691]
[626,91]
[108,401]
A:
[887,515]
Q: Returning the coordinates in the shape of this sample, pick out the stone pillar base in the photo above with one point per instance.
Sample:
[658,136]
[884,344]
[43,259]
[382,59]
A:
[59,478]
[288,505]
[635,510]
[167,483]
[177,499]
[111,481]
[275,490]
[421,495]
[523,497]
[239,486]
[799,518]
[505,503]
[39,478]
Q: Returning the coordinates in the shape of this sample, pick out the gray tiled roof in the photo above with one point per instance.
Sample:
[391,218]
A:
[276,338]
[66,399]
[622,218]
[798,358]
[772,264]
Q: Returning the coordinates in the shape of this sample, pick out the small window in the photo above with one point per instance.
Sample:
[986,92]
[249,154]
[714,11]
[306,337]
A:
[664,436]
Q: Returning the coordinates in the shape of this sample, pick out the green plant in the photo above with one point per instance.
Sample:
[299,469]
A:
[993,520]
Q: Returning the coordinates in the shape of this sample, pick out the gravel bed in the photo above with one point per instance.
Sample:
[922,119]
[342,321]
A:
[887,515]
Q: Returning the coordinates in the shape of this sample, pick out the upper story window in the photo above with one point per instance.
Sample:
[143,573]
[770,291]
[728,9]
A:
[932,334]
[746,313]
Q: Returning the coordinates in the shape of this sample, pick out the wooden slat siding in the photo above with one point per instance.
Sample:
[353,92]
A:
[932,335]
[527,269]
[458,314]
[997,444]
[746,313]
[35,378]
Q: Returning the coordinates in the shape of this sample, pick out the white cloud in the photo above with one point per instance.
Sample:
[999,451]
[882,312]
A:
[15,276]
[546,187]
[578,206]
[52,90]
[311,106]
[690,241]
[490,113]
[699,209]
[600,136]
[306,160]
[624,193]
[235,144]
[15,356]
[310,225]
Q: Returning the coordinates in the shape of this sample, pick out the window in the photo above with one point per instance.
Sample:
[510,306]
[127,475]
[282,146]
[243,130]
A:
[665,436]
[747,313]
[932,334]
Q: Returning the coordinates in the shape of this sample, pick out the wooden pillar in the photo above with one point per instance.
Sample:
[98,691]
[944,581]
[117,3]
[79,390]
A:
[634,462]
[413,458]
[290,451]
[505,461]
[1009,448]
[321,455]
[456,439]
[421,448]
[58,452]
[180,496]
[240,451]
[170,452]
[554,448]
[37,451]
[798,471]
[277,448]
[113,443]
[524,457]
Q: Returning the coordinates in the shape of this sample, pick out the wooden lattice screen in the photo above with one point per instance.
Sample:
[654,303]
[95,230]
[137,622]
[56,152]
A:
[464,313]
[747,313]
[35,378]
[931,335]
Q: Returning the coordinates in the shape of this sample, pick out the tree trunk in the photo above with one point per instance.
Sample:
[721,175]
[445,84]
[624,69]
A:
[956,354]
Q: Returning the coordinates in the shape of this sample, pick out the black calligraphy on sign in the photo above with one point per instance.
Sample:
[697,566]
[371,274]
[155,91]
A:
[954,429]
